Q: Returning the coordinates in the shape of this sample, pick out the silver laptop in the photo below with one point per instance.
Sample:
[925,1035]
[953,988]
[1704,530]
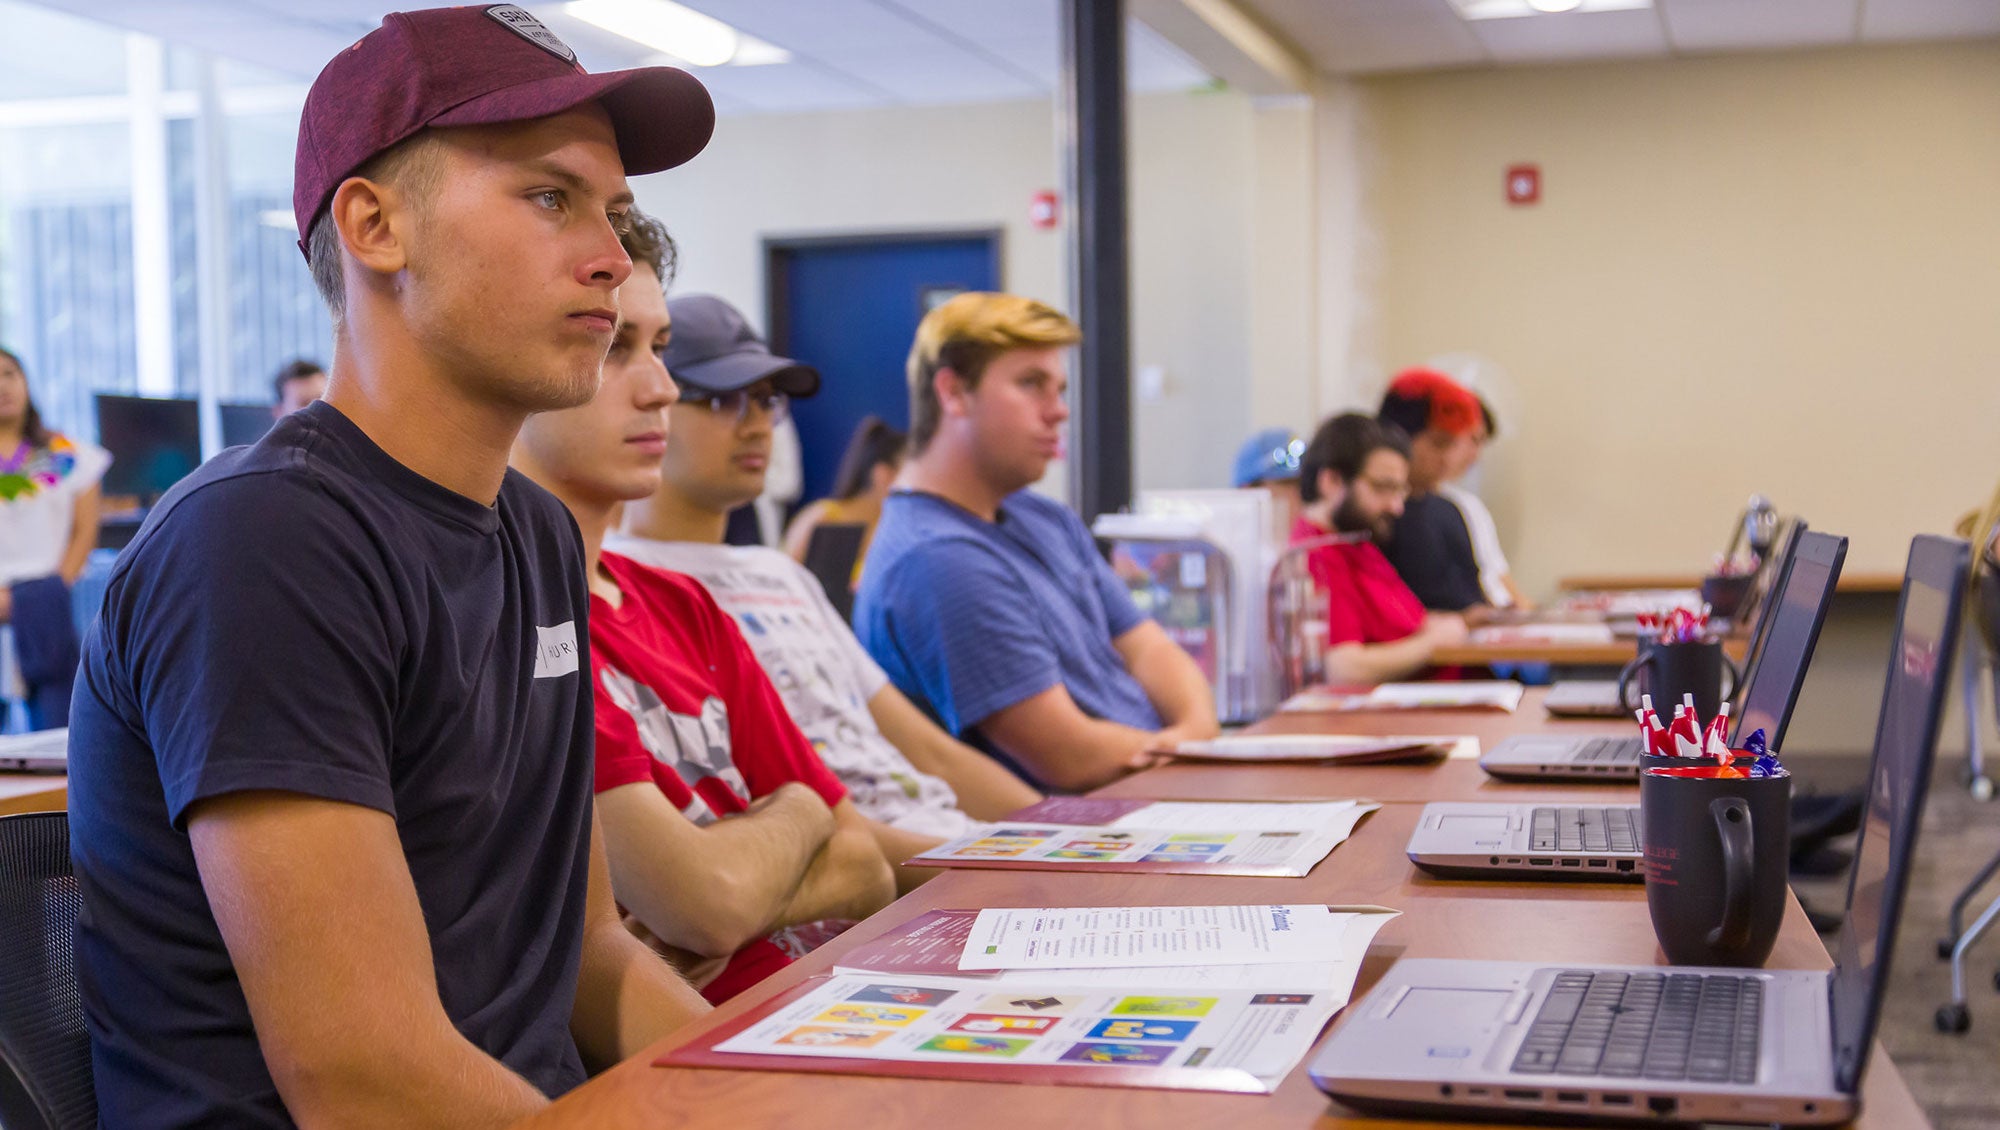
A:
[1678,1043]
[44,751]
[1598,698]
[1506,841]
[1770,684]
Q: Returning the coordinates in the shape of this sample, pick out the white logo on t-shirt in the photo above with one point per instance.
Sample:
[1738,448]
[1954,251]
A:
[555,650]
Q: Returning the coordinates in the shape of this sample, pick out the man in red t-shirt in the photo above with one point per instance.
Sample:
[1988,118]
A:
[729,842]
[1353,478]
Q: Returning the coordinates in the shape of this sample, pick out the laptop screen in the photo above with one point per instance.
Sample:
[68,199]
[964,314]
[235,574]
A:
[1920,658]
[1771,686]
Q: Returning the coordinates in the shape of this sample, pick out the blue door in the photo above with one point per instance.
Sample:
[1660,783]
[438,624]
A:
[850,309]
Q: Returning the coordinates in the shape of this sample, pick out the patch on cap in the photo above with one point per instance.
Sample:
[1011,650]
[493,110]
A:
[520,22]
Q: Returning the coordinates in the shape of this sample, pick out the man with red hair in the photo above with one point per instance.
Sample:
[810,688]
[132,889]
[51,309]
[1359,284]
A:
[1431,547]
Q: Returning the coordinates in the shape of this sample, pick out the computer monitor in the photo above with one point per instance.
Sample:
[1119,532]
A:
[1906,732]
[154,442]
[244,424]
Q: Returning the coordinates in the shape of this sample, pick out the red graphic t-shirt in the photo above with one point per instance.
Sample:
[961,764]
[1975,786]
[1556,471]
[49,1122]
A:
[682,703]
[1366,601]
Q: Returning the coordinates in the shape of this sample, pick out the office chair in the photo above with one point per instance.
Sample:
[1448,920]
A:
[1296,607]
[1955,1016]
[46,1084]
[830,556]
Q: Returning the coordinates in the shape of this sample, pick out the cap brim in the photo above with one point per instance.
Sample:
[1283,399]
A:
[663,116]
[732,371]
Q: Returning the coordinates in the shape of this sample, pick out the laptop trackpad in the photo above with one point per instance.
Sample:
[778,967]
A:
[1450,1009]
[1474,823]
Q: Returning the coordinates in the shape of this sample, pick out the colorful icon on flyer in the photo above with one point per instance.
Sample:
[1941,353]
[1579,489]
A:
[1200,838]
[1164,1006]
[1003,1023]
[902,994]
[1169,1031]
[1205,847]
[1070,853]
[1123,1054]
[834,1037]
[873,1015]
[1022,1003]
[1282,998]
[992,1047]
[1096,845]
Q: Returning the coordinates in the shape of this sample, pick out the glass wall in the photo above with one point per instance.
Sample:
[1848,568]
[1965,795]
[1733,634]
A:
[113,148]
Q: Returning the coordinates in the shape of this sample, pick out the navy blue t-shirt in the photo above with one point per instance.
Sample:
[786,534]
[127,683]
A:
[1432,551]
[969,617]
[310,616]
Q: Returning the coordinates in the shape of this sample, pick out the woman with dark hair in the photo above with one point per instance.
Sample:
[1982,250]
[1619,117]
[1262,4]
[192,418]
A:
[868,467]
[48,526]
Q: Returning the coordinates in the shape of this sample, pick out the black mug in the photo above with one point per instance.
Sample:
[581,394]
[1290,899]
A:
[1717,854]
[1668,671]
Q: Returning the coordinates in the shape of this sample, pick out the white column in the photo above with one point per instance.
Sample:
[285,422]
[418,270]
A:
[211,201]
[152,243]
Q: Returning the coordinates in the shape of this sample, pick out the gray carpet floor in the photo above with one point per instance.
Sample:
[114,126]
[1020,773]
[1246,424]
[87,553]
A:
[1955,1077]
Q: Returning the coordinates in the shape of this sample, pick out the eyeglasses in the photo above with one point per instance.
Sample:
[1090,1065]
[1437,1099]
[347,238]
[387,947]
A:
[1393,488]
[735,405]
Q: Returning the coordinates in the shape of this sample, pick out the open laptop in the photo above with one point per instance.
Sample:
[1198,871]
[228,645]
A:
[44,751]
[1680,1043]
[1598,698]
[1770,684]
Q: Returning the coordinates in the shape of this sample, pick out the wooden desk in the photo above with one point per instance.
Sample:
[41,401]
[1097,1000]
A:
[1557,922]
[33,792]
[1625,582]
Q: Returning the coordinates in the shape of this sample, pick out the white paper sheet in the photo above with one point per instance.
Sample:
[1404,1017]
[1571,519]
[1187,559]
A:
[1092,937]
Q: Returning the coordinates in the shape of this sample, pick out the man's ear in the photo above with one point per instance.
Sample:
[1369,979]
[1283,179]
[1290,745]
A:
[372,220]
[954,395]
[1331,487]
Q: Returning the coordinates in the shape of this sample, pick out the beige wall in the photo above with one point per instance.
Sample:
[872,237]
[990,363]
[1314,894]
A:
[1801,252]
[1204,221]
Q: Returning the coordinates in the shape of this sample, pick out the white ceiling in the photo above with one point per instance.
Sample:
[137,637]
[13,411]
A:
[1366,36]
[846,53]
[868,53]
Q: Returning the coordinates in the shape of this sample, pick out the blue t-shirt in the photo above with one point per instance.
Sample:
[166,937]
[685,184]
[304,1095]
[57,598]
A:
[310,616]
[969,617]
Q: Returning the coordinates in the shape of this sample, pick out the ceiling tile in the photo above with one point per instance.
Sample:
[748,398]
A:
[1152,64]
[980,21]
[1349,36]
[790,88]
[943,73]
[1571,36]
[814,27]
[1928,19]
[1735,25]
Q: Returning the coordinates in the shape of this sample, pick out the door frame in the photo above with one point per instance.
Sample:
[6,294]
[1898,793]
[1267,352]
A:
[779,248]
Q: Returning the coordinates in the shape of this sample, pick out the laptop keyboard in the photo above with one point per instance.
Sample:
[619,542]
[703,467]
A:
[1691,1026]
[1584,829]
[1610,751]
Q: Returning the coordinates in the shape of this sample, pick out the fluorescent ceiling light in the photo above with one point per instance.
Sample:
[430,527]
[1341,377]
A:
[663,25]
[1512,9]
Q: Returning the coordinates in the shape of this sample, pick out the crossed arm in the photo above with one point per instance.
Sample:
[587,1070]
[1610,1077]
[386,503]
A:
[315,902]
[710,890]
[1069,750]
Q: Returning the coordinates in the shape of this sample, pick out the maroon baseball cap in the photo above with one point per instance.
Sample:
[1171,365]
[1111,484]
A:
[479,65]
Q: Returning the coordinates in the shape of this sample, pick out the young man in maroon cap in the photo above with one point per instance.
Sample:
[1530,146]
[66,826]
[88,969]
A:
[382,902]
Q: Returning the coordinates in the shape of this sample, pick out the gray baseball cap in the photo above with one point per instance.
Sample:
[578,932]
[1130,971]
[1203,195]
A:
[714,348]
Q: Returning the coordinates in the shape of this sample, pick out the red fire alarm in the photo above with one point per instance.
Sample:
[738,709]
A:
[1042,209]
[1524,184]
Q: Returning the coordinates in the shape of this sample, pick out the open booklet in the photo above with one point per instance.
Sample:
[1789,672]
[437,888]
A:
[900,1004]
[1492,694]
[1270,839]
[1336,749]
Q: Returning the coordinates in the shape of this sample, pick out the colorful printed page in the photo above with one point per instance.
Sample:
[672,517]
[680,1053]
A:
[1351,749]
[1493,694]
[1052,1031]
[1272,840]
[1092,937]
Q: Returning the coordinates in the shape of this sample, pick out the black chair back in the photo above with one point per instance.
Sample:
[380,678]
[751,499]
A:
[43,1046]
[830,556]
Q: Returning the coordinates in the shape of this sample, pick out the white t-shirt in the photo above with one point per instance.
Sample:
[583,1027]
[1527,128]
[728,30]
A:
[820,670]
[1485,543]
[37,505]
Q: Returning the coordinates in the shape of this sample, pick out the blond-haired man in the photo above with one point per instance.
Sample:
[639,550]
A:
[988,604]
